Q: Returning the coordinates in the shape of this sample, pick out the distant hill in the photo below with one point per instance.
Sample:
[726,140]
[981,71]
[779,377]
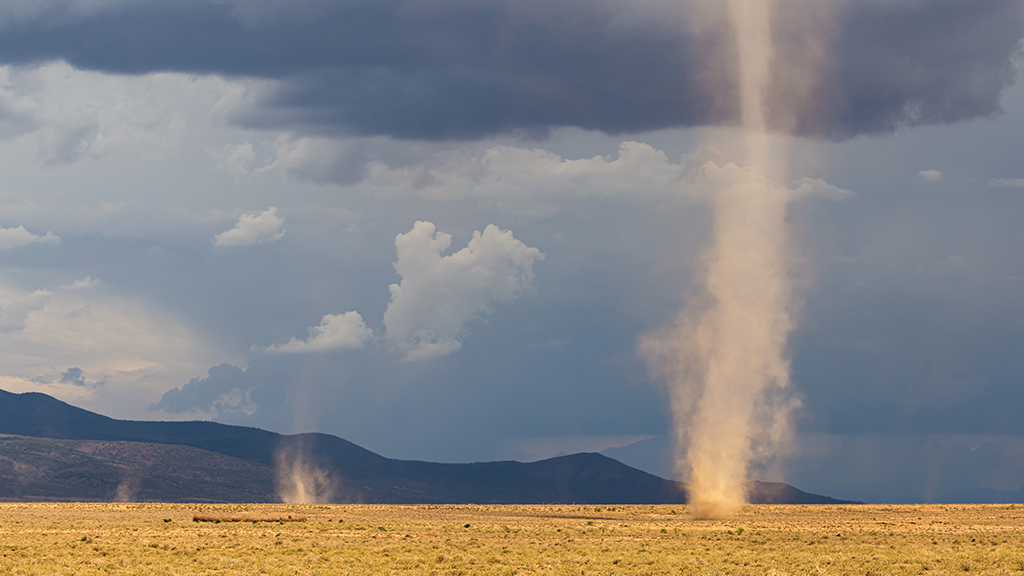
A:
[55,451]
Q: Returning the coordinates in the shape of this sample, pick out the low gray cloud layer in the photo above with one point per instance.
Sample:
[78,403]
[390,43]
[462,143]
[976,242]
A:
[465,69]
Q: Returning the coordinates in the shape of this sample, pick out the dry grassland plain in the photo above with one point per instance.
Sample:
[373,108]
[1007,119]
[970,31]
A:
[63,538]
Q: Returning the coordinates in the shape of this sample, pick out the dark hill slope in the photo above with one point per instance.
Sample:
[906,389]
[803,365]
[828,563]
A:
[91,470]
[359,474]
[35,414]
[580,478]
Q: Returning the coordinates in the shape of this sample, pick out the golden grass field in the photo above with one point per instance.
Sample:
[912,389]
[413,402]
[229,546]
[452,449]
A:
[73,538]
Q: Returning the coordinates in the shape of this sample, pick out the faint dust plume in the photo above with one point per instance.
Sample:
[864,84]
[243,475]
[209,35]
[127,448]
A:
[126,490]
[298,479]
[725,358]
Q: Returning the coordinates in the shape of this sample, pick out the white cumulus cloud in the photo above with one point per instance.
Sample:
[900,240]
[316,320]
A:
[253,229]
[439,295]
[15,237]
[336,332]
[930,175]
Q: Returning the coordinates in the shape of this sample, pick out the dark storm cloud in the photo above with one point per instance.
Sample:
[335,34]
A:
[203,393]
[73,376]
[261,394]
[461,69]
[227,389]
[920,62]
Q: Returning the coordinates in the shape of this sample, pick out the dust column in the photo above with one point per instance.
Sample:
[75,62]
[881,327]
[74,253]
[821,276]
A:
[725,359]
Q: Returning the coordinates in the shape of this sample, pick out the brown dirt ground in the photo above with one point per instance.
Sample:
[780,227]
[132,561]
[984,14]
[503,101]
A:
[76,538]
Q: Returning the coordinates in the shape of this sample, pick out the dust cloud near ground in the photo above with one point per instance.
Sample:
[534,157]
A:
[127,490]
[298,479]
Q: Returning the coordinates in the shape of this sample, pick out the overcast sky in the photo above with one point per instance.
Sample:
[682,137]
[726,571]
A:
[439,228]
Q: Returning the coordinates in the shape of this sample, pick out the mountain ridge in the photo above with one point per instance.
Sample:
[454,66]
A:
[358,474]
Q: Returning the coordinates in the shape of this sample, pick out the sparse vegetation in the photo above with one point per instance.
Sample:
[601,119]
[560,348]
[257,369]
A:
[50,538]
[253,519]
